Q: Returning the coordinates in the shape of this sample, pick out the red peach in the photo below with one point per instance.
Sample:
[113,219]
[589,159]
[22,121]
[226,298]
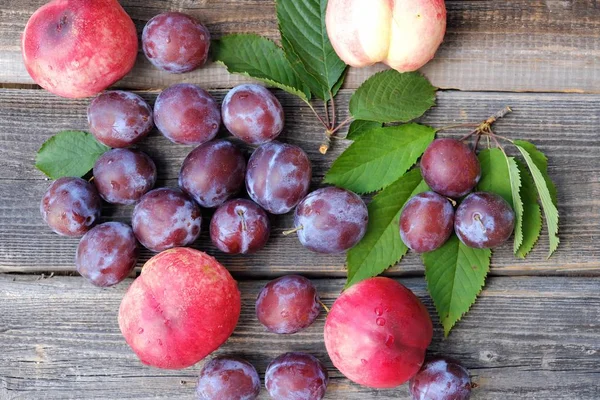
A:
[377,333]
[182,307]
[77,48]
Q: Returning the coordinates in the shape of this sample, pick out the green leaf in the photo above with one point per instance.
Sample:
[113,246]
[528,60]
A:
[376,160]
[69,153]
[515,184]
[541,161]
[540,179]
[259,58]
[307,46]
[500,175]
[455,275]
[381,246]
[494,174]
[392,96]
[360,127]
[532,213]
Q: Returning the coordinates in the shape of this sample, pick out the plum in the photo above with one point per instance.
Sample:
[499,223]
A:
[213,172]
[182,307]
[331,220]
[240,226]
[441,379]
[252,113]
[175,42]
[119,119]
[296,376]
[187,114]
[278,176]
[107,254]
[123,176]
[227,378]
[377,333]
[404,34]
[288,304]
[426,222]
[450,167]
[70,206]
[77,48]
[484,220]
[166,218]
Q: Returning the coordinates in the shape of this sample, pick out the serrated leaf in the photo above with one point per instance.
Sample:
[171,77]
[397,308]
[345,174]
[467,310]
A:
[499,174]
[360,127]
[69,153]
[455,275]
[517,203]
[532,213]
[541,161]
[307,46]
[258,58]
[376,160]
[550,211]
[494,174]
[392,96]
[381,246]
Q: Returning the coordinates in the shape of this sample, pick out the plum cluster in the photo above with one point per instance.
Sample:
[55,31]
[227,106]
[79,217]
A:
[285,305]
[277,178]
[452,170]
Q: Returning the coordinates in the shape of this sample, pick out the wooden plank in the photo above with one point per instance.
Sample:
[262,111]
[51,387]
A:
[564,126]
[525,338]
[521,45]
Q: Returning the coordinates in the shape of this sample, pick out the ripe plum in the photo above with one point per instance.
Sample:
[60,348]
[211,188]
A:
[288,304]
[166,218]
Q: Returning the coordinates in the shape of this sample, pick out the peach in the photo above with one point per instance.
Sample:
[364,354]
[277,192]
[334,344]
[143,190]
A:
[377,333]
[182,307]
[403,34]
[77,48]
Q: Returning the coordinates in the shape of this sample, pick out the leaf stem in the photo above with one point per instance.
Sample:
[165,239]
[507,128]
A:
[327,118]
[333,116]
[443,128]
[329,134]
[342,124]
[316,114]
[476,143]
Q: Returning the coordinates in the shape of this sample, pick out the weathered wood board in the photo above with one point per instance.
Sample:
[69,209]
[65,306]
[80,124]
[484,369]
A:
[529,336]
[526,338]
[564,126]
[518,45]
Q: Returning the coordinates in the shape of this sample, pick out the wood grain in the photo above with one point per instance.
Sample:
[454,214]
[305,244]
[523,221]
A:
[525,338]
[564,126]
[520,45]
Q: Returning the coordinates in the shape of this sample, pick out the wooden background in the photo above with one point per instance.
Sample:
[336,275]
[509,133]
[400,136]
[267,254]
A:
[534,332]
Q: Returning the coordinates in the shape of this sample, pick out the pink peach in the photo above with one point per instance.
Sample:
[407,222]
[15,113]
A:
[403,34]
